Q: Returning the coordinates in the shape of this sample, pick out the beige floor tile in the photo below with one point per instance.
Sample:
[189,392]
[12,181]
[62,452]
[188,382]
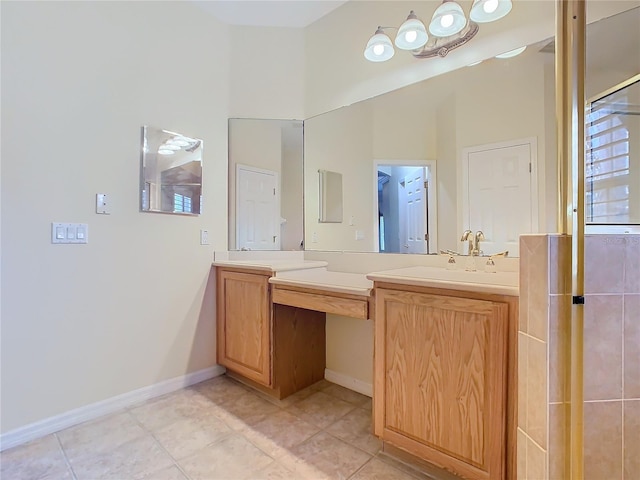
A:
[347,395]
[100,435]
[278,432]
[291,399]
[379,470]
[187,436]
[368,404]
[355,429]
[321,385]
[133,460]
[220,390]
[328,455]
[39,459]
[158,413]
[321,409]
[247,409]
[167,473]
[232,458]
[274,471]
[418,472]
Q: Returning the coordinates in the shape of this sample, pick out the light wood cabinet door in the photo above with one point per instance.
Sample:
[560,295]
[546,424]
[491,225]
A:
[440,381]
[244,324]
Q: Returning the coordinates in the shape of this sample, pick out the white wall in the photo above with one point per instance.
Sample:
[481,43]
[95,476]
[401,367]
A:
[267,66]
[135,306]
[341,142]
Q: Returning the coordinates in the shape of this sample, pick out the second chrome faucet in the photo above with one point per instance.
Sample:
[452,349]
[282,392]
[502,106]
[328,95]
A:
[474,241]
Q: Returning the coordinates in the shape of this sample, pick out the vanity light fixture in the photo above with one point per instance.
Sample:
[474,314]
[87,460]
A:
[449,29]
[379,48]
[483,11]
[448,19]
[412,33]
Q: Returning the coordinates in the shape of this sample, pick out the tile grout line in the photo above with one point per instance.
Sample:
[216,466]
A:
[152,435]
[64,455]
[361,467]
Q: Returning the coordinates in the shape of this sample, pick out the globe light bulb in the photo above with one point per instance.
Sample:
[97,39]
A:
[490,6]
[378,49]
[411,36]
[446,21]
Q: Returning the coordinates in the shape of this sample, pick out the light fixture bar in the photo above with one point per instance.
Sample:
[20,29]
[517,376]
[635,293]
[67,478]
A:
[441,46]
[449,29]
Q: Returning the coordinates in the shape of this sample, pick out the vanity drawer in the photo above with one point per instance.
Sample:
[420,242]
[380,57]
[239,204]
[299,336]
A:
[336,303]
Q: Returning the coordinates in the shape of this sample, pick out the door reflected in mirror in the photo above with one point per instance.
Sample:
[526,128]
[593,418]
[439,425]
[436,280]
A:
[265,184]
[171,172]
[406,207]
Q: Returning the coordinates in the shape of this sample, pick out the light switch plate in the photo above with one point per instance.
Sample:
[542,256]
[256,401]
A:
[69,233]
[204,237]
[103,206]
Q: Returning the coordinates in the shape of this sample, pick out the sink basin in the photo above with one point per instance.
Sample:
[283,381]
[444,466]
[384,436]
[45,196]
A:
[505,283]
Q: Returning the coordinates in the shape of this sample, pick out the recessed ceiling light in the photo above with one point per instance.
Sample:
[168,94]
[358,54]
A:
[165,151]
[474,63]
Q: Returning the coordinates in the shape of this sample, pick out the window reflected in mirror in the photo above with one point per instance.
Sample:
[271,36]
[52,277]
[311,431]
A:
[171,172]
[612,178]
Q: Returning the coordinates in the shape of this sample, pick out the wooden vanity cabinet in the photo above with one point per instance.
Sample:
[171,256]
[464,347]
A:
[244,324]
[277,349]
[441,378]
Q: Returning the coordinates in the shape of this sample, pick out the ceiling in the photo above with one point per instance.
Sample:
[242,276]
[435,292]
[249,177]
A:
[269,13]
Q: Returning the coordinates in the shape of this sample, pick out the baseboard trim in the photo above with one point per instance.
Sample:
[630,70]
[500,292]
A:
[92,411]
[349,382]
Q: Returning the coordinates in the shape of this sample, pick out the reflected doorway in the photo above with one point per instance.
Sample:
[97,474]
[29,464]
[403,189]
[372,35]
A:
[406,207]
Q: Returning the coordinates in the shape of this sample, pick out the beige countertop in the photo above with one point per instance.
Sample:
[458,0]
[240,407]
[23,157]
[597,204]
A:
[322,279]
[272,266]
[502,283]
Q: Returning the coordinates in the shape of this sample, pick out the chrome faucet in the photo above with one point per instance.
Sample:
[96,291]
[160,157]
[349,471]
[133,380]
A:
[476,246]
[468,235]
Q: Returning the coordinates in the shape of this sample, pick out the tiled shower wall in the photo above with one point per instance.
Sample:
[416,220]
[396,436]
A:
[611,356]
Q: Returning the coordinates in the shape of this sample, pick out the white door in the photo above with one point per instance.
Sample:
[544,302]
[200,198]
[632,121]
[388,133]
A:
[499,199]
[257,209]
[412,195]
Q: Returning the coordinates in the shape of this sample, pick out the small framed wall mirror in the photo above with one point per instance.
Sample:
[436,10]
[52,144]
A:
[330,197]
[171,172]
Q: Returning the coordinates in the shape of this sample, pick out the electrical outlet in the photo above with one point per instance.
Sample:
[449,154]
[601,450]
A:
[314,237]
[204,237]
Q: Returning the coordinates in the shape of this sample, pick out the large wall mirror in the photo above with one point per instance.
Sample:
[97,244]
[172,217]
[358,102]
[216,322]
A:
[490,130]
[171,172]
[265,184]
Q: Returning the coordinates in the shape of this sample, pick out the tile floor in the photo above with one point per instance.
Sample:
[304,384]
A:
[218,429]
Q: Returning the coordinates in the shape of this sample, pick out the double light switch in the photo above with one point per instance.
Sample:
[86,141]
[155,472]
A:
[69,233]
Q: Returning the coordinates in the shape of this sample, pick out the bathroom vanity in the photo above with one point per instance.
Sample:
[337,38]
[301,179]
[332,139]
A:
[444,353]
[445,368]
[272,315]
